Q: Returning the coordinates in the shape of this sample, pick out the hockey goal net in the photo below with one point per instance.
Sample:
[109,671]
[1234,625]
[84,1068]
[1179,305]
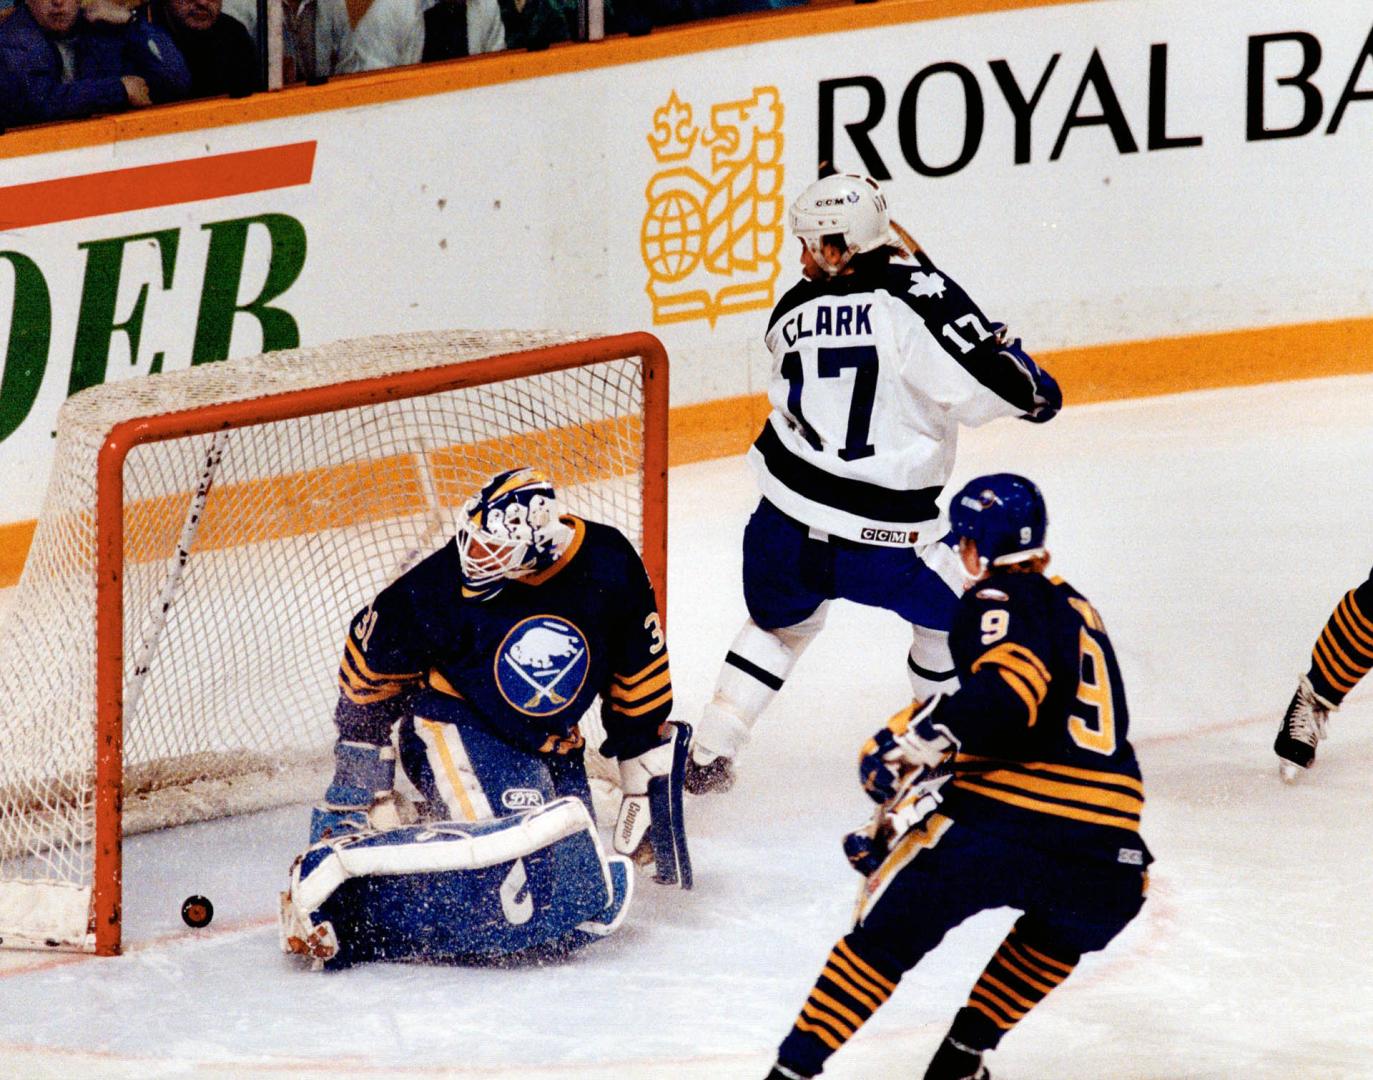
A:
[171,649]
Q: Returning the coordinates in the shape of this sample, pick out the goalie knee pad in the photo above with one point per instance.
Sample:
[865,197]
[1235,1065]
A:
[454,890]
[756,666]
[930,664]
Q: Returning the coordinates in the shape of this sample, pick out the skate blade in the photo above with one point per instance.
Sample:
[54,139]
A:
[1289,772]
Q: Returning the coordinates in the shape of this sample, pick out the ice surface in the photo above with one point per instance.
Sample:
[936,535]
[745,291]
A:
[1214,531]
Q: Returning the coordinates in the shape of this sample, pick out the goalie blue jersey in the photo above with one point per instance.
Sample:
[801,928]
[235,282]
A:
[527,662]
[1041,717]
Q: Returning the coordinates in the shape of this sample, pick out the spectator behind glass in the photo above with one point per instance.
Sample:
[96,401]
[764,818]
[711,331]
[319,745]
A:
[221,55]
[315,34]
[535,24]
[58,63]
[454,28]
[392,33]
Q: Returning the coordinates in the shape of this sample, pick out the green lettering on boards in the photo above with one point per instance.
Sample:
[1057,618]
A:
[95,325]
[26,352]
[223,276]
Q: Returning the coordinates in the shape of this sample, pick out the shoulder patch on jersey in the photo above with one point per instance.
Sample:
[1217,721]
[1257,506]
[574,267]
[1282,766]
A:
[992,594]
[925,283]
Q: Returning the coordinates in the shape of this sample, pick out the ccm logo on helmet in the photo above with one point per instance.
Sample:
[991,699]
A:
[890,536]
[850,197]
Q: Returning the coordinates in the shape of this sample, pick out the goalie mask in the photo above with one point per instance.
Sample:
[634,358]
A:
[845,205]
[1004,515]
[512,527]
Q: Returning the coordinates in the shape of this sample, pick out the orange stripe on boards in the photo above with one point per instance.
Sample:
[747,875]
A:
[171,183]
[492,69]
[15,541]
[1210,361]
[715,429]
[727,427]
[1096,373]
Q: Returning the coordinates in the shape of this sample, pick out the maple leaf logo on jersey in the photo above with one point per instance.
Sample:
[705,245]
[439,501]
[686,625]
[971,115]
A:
[923,284]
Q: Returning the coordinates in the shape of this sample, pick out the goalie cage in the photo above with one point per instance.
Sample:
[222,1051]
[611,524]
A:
[171,650]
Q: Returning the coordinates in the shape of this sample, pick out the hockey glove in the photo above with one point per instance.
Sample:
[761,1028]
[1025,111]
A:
[907,749]
[363,779]
[867,848]
[917,796]
[1046,397]
[650,828]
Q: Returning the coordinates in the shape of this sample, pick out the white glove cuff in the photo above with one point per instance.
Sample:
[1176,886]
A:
[636,772]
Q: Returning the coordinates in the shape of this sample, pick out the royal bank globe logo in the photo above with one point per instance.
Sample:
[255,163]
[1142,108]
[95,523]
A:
[712,233]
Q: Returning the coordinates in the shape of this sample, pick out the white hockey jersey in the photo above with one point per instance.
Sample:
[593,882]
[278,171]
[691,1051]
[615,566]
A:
[872,375]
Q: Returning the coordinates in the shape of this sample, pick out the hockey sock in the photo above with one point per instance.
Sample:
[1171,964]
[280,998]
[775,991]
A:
[1344,651]
[756,666]
[1018,978]
[929,664]
[850,989]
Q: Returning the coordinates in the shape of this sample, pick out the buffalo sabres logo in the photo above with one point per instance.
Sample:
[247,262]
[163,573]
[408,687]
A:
[542,664]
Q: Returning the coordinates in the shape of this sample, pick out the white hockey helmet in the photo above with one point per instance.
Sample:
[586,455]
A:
[847,205]
[512,527]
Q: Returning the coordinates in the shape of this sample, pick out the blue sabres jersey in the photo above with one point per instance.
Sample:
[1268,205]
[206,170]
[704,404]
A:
[1041,716]
[528,661]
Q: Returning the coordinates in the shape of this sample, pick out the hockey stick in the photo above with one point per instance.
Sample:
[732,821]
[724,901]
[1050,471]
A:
[171,585]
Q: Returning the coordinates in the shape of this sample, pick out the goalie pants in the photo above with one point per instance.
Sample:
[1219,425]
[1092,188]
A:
[788,573]
[466,773]
[939,875]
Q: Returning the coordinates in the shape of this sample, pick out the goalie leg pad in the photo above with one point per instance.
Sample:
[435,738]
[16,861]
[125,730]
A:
[609,920]
[453,890]
[463,771]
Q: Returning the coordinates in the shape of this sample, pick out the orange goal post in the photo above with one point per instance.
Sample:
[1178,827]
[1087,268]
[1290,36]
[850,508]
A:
[170,653]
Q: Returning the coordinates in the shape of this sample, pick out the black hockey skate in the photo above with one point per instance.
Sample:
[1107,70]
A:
[954,1061]
[1303,726]
[715,775]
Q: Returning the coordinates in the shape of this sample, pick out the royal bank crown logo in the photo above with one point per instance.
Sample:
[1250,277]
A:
[712,233]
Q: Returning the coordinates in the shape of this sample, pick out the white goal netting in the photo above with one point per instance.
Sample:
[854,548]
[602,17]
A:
[309,513]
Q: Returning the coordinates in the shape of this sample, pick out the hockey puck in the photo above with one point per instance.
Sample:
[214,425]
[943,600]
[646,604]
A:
[196,912]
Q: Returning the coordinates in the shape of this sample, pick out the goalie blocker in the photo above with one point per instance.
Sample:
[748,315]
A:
[533,883]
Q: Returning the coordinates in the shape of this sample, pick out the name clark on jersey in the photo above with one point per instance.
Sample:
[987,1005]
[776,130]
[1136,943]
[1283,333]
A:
[844,319]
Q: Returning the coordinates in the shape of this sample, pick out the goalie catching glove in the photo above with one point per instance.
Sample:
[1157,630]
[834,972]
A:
[361,795]
[650,828]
